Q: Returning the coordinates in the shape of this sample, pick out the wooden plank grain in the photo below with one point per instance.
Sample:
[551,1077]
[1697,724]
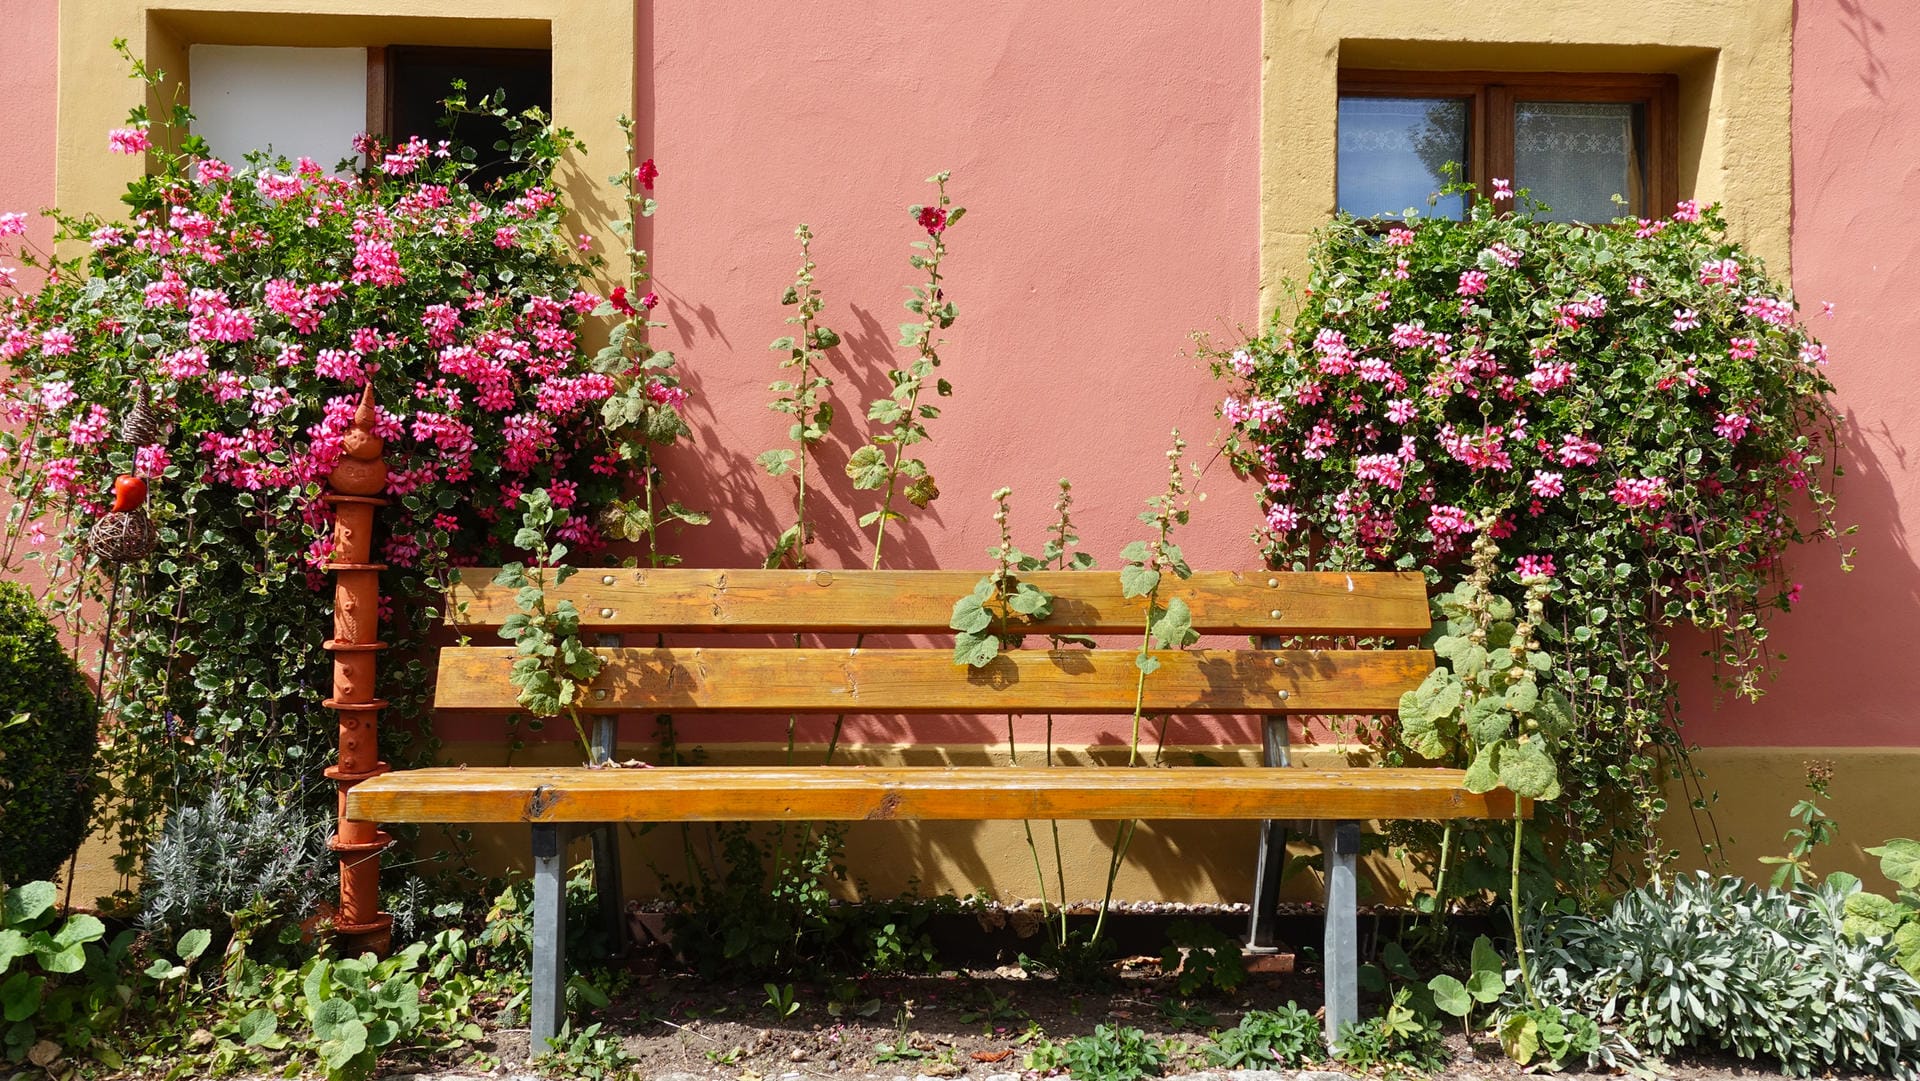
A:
[841,793]
[824,601]
[700,680]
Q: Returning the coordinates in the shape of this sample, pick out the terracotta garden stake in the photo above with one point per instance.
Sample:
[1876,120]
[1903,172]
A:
[353,489]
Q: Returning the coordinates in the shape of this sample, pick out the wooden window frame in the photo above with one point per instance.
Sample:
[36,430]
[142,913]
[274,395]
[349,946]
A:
[1491,97]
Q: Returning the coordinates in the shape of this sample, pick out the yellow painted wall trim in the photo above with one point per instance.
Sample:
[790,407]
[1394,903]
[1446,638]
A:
[1733,59]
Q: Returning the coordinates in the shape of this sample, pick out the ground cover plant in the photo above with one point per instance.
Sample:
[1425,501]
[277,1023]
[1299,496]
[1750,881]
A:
[1632,410]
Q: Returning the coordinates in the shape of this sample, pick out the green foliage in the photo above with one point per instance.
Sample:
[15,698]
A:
[762,909]
[552,665]
[989,619]
[901,415]
[1485,983]
[804,398]
[1548,1037]
[49,743]
[1710,962]
[1483,708]
[781,1001]
[1637,405]
[507,932]
[1206,961]
[585,1053]
[1076,958]
[1286,1038]
[1147,563]
[1816,828]
[643,414]
[1395,1038]
[1897,921]
[1112,1053]
[991,1011]
[64,988]
[252,859]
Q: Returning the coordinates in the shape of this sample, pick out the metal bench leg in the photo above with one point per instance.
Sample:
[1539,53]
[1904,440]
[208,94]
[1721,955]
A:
[549,935]
[606,840]
[1340,959]
[1273,849]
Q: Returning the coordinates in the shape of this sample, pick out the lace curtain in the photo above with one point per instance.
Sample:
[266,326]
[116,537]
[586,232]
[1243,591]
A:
[1577,155]
[1392,151]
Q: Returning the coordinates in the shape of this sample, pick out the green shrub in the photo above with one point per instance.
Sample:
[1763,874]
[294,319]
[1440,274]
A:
[260,853]
[1114,1053]
[1895,920]
[1269,1040]
[1205,960]
[64,988]
[49,739]
[1719,963]
[1397,1037]
[1639,406]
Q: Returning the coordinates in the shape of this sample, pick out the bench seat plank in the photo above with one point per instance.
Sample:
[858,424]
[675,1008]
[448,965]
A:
[853,793]
[698,680]
[1392,604]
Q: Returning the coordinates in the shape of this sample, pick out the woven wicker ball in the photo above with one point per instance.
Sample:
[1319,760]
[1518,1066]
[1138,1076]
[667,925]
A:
[142,424]
[121,536]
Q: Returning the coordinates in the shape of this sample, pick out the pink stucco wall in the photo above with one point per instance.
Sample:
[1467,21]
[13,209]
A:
[1850,678]
[1109,165]
[27,93]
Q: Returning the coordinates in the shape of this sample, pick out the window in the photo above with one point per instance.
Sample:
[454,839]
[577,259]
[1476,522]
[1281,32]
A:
[1576,140]
[409,82]
[313,101]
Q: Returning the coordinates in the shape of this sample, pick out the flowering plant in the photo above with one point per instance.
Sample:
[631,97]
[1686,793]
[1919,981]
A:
[254,303]
[1634,410]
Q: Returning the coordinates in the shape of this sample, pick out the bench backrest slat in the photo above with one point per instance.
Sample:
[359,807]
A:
[878,602]
[1032,681]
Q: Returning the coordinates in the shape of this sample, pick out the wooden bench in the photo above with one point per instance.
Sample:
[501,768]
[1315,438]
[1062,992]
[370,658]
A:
[682,680]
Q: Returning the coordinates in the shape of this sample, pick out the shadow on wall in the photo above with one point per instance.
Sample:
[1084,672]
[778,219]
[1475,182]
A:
[725,482]
[1833,687]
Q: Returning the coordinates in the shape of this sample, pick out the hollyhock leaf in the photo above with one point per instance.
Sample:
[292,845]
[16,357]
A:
[1138,581]
[975,650]
[776,462]
[1030,601]
[1483,775]
[1174,628]
[1522,696]
[1487,721]
[1870,915]
[867,467]
[970,616]
[1899,861]
[1526,770]
[1450,995]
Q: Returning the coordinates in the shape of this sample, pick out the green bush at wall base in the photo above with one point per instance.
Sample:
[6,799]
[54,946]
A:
[49,739]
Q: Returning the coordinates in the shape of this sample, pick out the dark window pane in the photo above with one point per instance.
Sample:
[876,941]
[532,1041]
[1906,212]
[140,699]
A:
[1577,155]
[1392,151]
[419,79]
